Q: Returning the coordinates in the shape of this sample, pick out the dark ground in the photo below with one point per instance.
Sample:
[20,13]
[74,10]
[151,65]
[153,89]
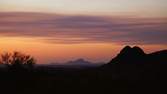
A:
[97,80]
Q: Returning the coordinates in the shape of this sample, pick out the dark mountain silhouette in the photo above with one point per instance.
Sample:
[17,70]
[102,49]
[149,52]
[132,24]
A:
[133,64]
[137,55]
[129,55]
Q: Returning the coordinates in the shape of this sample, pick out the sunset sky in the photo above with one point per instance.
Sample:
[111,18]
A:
[63,30]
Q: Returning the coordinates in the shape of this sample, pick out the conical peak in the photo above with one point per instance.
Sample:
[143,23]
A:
[125,49]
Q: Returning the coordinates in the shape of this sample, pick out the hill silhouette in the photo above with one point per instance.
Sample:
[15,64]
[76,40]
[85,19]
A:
[133,63]
[137,55]
[129,55]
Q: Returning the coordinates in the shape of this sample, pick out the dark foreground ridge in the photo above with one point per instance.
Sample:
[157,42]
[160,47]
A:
[131,71]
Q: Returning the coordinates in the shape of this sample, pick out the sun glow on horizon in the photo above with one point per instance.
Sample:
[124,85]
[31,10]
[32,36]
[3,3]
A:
[50,52]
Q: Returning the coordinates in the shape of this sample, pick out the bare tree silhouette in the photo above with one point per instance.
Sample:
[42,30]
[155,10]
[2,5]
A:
[17,60]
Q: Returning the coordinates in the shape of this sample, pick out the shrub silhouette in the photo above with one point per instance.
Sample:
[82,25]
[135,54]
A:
[17,60]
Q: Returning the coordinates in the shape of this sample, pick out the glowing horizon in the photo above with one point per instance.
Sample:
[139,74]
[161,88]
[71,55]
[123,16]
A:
[46,53]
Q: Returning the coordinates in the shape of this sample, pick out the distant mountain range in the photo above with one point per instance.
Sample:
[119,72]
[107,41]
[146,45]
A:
[83,63]
[79,62]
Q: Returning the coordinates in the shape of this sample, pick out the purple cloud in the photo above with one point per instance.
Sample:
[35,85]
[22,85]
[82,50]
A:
[84,29]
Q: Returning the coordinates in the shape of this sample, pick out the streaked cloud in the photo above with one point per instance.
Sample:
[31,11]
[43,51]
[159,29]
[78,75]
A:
[56,28]
[147,8]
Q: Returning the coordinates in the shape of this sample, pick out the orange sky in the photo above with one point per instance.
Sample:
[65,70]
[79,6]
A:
[48,52]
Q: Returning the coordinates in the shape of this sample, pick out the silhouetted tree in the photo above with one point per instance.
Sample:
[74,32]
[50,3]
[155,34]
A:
[17,60]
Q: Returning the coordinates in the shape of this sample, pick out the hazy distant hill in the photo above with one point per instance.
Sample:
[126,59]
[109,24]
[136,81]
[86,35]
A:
[79,62]
[75,64]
